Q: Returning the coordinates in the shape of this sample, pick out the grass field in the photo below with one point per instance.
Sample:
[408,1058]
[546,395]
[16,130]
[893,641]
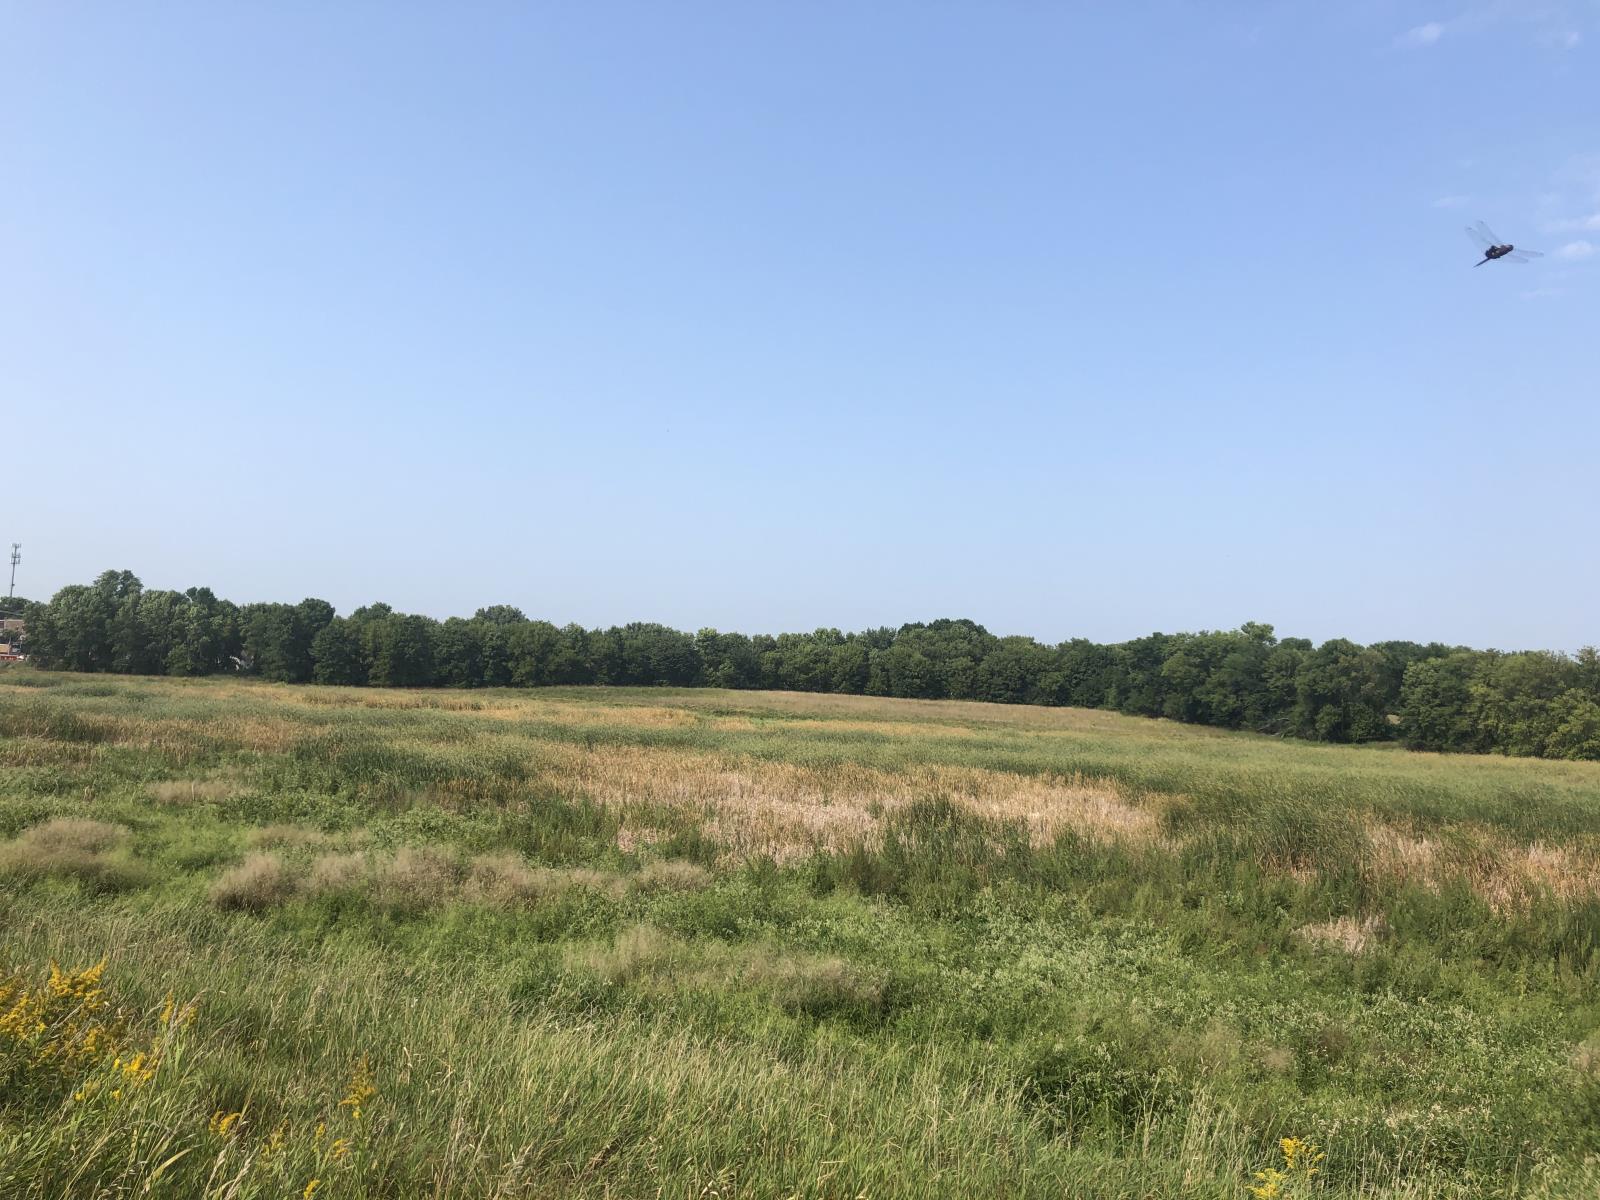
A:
[325,943]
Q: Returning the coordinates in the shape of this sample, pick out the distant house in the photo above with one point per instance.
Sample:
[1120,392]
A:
[11,631]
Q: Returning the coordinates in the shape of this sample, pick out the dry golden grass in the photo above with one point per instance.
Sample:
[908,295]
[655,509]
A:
[879,709]
[337,874]
[1567,873]
[261,881]
[397,698]
[301,837]
[1349,934]
[415,878]
[653,959]
[1509,876]
[28,751]
[672,875]
[607,708]
[70,835]
[1512,877]
[1586,1059]
[508,881]
[789,810]
[192,791]
[93,852]
[753,803]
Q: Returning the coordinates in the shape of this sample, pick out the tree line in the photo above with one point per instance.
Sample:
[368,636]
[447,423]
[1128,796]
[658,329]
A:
[1430,697]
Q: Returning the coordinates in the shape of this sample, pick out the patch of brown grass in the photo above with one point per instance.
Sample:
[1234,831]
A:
[337,875]
[963,717]
[416,878]
[33,751]
[393,698]
[92,852]
[810,984]
[570,713]
[672,875]
[650,958]
[508,881]
[71,835]
[1349,934]
[1401,855]
[1509,876]
[633,836]
[288,837]
[258,883]
[191,791]
[790,810]
[636,952]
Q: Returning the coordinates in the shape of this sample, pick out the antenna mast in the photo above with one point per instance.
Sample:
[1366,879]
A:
[16,557]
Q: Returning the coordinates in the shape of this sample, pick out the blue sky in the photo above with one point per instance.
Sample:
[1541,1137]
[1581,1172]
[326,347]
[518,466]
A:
[1077,320]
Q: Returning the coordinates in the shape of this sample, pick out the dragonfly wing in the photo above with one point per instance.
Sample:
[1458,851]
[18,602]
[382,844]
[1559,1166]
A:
[1514,257]
[1488,234]
[1478,238]
[1529,253]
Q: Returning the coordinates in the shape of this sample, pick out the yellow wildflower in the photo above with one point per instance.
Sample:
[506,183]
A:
[222,1123]
[76,985]
[138,1068]
[361,1089]
[1300,1163]
[1300,1156]
[60,1025]
[340,1148]
[310,1188]
[175,1015]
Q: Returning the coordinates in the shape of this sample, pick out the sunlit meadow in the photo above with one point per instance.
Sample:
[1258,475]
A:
[272,941]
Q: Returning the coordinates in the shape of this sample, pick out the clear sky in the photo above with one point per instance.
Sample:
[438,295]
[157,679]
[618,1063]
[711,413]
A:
[1074,319]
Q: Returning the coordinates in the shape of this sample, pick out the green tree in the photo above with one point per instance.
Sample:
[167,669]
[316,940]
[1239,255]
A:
[500,614]
[1512,696]
[1436,703]
[1574,726]
[399,651]
[1342,694]
[731,660]
[337,654]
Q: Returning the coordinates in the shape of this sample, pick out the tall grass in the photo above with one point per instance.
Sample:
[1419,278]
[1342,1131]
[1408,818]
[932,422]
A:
[638,943]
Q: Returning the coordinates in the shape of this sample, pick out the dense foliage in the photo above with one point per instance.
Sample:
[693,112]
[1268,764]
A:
[1431,697]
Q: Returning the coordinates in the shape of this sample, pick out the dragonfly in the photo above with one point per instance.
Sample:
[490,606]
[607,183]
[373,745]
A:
[1493,248]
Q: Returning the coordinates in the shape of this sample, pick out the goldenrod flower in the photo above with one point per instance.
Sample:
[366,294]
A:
[310,1188]
[1300,1163]
[361,1089]
[1300,1155]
